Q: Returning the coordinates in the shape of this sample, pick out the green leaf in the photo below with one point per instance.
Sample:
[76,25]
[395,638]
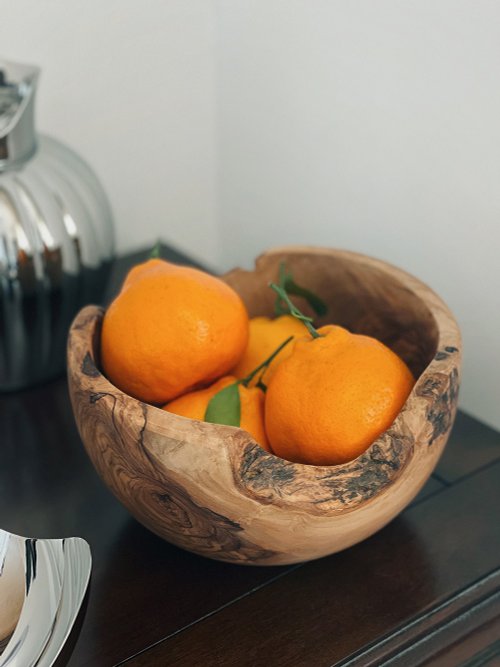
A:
[317,304]
[155,251]
[287,283]
[280,307]
[225,407]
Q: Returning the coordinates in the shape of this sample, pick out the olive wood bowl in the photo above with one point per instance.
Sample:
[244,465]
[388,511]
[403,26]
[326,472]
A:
[212,490]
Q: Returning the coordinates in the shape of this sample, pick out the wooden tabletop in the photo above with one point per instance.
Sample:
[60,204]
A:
[423,591]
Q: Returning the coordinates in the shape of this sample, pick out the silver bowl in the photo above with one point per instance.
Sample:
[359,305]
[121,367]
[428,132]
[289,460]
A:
[42,587]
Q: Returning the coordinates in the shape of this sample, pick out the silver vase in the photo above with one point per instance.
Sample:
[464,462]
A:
[56,237]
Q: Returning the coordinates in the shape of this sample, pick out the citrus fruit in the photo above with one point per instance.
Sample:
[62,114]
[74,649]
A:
[333,396]
[194,405]
[171,329]
[265,335]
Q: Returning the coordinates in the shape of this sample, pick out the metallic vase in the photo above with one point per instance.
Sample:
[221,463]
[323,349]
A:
[56,237]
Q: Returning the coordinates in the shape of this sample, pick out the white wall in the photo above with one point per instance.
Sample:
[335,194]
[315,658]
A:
[229,126]
[373,126]
[130,85]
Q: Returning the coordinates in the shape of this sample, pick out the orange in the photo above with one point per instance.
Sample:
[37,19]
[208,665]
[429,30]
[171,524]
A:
[265,336]
[171,329]
[194,405]
[334,396]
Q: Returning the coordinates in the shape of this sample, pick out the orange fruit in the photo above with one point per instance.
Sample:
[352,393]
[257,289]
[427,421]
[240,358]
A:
[265,336]
[171,329]
[333,396]
[194,406]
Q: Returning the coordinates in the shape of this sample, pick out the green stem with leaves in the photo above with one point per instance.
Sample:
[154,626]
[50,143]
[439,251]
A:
[295,311]
[246,380]
[286,282]
[225,406]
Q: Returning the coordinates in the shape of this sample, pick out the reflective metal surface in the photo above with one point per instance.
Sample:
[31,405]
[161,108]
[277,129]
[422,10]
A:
[56,238]
[42,586]
[17,106]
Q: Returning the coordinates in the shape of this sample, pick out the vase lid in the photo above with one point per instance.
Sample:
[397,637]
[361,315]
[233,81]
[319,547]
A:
[17,105]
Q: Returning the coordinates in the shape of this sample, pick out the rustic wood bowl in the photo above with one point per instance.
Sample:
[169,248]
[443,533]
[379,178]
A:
[212,490]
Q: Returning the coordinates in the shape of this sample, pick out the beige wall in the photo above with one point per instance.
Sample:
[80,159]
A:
[372,125]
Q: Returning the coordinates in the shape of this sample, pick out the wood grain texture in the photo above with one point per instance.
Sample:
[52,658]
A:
[370,606]
[211,489]
[478,647]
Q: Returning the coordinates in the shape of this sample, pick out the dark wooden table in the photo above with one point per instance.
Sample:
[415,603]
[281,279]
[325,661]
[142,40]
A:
[423,591]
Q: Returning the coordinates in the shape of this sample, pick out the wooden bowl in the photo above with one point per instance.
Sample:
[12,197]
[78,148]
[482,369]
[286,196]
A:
[212,490]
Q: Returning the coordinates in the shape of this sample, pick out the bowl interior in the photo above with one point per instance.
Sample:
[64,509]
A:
[359,295]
